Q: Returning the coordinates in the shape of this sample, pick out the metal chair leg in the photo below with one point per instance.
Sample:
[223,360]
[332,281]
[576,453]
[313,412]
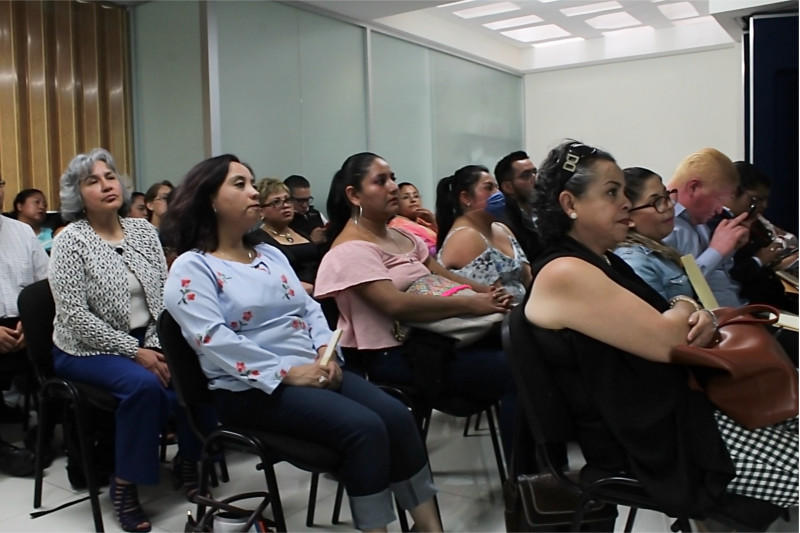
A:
[498,454]
[312,499]
[337,504]
[631,518]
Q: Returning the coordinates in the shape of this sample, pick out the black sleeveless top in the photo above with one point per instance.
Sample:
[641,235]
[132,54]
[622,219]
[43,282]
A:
[633,414]
[304,258]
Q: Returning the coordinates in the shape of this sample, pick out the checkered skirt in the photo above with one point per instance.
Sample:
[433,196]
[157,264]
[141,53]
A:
[765,460]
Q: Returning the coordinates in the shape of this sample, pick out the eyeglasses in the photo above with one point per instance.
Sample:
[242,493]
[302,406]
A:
[278,202]
[575,152]
[309,200]
[660,203]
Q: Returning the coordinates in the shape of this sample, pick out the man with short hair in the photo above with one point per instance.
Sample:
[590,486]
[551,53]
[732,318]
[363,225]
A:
[706,180]
[755,263]
[307,220]
[516,176]
[22,262]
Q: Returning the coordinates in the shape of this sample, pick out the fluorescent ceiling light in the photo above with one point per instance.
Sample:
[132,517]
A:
[537,33]
[696,20]
[485,11]
[450,4]
[558,41]
[629,32]
[613,21]
[546,1]
[511,23]
[679,10]
[590,8]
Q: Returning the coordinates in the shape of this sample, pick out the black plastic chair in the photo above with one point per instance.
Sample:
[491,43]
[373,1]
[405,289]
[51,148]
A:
[191,386]
[550,425]
[37,311]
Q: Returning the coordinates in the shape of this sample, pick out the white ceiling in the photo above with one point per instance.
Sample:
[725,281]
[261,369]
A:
[651,27]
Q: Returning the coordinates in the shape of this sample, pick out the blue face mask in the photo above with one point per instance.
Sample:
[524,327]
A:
[496,205]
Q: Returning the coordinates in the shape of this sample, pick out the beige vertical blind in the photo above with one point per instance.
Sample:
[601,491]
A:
[64,89]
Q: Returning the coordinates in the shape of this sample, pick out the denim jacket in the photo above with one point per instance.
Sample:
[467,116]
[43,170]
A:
[661,273]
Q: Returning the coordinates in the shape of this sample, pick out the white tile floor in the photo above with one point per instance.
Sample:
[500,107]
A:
[464,469]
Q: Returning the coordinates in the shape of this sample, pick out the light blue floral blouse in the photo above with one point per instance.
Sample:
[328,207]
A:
[248,323]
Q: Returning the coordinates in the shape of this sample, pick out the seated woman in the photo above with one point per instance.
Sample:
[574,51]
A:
[277,212]
[414,218]
[107,276]
[607,337]
[30,207]
[472,243]
[652,218]
[371,297]
[259,337]
[156,201]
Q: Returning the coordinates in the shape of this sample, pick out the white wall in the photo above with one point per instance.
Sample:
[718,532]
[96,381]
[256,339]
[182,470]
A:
[648,112]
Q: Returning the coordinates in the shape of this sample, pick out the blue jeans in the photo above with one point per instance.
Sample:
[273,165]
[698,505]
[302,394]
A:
[375,433]
[145,405]
[479,371]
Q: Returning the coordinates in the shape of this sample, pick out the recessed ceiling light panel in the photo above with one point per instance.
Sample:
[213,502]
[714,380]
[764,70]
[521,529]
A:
[678,10]
[486,10]
[537,33]
[590,8]
[613,21]
[558,41]
[512,23]
[459,2]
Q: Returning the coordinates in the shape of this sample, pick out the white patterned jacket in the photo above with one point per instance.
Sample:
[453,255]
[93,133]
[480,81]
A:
[90,287]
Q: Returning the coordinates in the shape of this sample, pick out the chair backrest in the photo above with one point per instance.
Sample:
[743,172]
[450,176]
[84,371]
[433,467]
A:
[541,401]
[188,379]
[37,310]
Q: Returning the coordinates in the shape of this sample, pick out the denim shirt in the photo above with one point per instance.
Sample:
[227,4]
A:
[662,274]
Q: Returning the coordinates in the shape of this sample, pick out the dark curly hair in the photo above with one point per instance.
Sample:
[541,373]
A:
[190,223]
[552,222]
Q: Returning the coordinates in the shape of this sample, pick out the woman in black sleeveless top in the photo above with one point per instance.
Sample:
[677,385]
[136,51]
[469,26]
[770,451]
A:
[607,336]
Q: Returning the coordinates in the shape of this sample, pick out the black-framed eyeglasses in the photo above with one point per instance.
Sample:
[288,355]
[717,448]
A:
[278,202]
[309,200]
[660,203]
[572,157]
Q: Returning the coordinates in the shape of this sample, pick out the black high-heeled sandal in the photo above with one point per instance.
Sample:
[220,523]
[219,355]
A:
[130,514]
[184,474]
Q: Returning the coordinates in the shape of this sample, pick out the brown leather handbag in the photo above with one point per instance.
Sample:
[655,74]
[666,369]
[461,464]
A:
[744,371]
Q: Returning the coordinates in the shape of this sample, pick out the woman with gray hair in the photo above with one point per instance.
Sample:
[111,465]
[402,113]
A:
[107,275]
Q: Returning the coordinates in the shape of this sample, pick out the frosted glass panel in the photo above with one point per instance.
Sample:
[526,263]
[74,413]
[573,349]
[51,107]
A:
[168,101]
[292,90]
[477,113]
[333,92]
[259,85]
[402,113]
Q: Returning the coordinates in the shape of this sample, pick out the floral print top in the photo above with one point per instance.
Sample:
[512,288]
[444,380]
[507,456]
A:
[493,265]
[248,323]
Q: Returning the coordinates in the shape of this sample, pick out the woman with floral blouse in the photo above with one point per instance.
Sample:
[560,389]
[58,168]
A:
[259,337]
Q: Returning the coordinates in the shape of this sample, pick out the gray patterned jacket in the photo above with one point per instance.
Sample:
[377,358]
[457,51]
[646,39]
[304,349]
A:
[89,283]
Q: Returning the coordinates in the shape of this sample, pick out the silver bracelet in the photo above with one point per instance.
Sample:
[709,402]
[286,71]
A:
[713,318]
[682,298]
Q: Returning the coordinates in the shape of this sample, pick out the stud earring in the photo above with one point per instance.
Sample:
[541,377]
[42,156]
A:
[573,215]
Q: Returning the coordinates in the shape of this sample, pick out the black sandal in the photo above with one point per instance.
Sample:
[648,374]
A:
[184,474]
[130,514]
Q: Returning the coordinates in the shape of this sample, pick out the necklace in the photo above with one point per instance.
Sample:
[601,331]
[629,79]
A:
[287,235]
[250,256]
[391,238]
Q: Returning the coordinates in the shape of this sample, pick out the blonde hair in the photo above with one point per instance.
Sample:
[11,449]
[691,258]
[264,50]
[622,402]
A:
[268,186]
[710,166]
